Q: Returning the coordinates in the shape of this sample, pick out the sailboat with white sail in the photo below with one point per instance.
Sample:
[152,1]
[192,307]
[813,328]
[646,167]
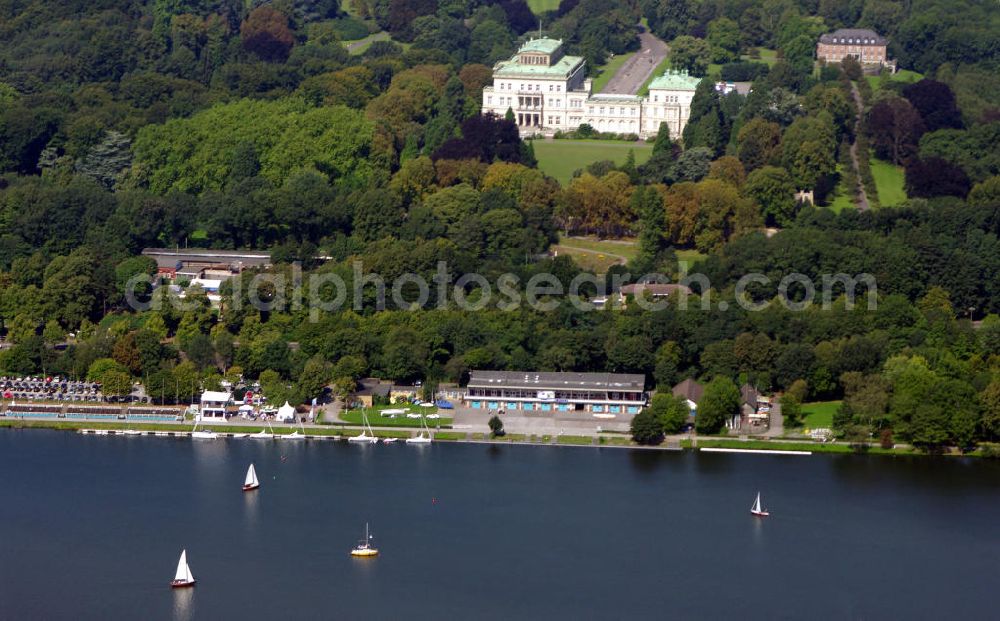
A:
[251,483]
[183,576]
[366,436]
[424,437]
[365,548]
[758,509]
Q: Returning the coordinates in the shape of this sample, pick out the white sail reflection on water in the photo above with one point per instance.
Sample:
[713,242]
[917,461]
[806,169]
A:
[183,604]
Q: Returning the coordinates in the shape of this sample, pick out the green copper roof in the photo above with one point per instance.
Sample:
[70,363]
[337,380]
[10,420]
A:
[563,68]
[544,46]
[675,81]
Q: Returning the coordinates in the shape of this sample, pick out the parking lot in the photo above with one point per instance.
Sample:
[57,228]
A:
[540,423]
[49,389]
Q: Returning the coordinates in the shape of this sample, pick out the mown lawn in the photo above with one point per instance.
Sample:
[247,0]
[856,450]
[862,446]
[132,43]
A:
[560,158]
[589,261]
[765,445]
[581,440]
[903,75]
[663,66]
[542,6]
[689,256]
[623,247]
[842,195]
[766,56]
[377,419]
[889,183]
[841,201]
[615,440]
[607,70]
[819,415]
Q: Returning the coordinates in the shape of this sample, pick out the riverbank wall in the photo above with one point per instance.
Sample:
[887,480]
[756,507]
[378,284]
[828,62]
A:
[343,432]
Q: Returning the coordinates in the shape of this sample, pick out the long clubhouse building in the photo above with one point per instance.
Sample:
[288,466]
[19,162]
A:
[597,393]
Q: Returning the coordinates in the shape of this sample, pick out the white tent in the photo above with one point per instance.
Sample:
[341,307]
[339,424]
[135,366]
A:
[286,412]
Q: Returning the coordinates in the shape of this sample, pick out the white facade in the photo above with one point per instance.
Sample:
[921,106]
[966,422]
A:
[547,92]
[213,404]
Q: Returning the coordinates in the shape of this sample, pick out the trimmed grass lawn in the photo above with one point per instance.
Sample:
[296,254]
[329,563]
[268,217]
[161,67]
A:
[819,415]
[766,56]
[903,75]
[614,441]
[542,6]
[663,66]
[841,201]
[690,256]
[595,263]
[766,445]
[574,440]
[606,71]
[376,419]
[888,182]
[449,435]
[561,158]
[623,247]
[842,196]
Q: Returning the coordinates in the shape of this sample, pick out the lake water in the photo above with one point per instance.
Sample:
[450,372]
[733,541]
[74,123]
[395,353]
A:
[92,528]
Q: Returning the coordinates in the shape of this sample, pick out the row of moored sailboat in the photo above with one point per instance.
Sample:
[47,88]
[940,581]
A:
[367,436]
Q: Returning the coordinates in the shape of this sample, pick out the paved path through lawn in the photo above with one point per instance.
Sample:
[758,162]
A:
[633,74]
[378,36]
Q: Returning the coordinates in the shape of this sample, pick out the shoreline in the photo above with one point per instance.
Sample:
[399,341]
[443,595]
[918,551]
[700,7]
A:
[343,432]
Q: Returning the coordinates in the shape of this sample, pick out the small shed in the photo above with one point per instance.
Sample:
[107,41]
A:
[372,388]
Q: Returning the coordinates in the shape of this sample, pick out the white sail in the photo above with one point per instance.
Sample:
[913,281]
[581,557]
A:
[183,570]
[251,476]
[756,504]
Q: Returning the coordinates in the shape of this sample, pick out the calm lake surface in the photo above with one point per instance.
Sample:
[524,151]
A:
[92,528]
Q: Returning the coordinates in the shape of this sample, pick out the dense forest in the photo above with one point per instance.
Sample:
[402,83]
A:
[251,125]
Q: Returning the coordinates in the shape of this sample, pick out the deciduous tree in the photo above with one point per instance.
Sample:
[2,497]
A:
[266,34]
[719,403]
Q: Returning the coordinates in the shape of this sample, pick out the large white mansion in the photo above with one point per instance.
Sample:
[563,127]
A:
[547,91]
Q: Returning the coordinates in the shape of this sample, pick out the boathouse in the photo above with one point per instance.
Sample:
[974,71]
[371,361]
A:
[596,393]
[213,405]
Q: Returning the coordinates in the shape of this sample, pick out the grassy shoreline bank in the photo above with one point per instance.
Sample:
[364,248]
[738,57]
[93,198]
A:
[603,441]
